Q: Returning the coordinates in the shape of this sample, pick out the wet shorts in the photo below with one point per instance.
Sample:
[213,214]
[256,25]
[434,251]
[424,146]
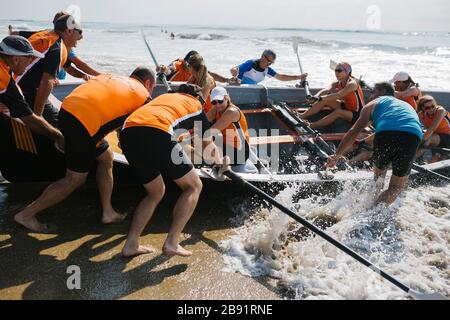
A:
[81,149]
[396,147]
[444,140]
[152,152]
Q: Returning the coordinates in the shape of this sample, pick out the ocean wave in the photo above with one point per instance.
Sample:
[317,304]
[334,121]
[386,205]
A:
[201,36]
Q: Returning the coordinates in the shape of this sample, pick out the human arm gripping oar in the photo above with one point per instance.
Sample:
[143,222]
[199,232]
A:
[304,83]
[161,75]
[416,295]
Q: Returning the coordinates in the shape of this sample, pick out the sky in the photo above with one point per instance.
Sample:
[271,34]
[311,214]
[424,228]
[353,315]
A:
[381,15]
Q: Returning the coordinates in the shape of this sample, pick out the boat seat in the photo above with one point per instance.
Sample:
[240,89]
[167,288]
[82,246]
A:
[248,167]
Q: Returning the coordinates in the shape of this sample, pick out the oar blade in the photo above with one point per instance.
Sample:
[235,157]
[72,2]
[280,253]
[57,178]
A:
[333,64]
[426,296]
[295,45]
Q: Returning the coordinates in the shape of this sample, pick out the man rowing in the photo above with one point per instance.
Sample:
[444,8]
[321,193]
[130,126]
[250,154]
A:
[256,70]
[16,53]
[398,135]
[87,115]
[344,97]
[149,142]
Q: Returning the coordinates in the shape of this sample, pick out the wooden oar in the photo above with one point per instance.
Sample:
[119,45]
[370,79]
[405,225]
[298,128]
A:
[415,294]
[161,75]
[304,83]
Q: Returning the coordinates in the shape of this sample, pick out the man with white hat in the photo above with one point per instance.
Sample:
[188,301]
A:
[406,89]
[38,80]
[16,53]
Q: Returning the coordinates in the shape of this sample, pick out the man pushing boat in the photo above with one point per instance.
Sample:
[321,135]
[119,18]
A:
[398,134]
[87,115]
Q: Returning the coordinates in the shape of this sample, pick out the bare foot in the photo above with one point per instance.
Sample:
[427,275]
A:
[129,252]
[112,217]
[30,223]
[178,250]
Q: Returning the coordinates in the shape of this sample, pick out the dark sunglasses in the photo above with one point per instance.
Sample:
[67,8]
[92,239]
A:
[338,70]
[79,31]
[216,102]
[427,107]
[268,60]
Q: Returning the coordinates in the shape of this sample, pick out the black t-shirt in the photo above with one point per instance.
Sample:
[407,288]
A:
[50,64]
[10,94]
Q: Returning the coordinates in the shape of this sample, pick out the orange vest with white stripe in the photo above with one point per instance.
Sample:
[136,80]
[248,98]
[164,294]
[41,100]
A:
[165,112]
[444,126]
[354,101]
[236,134]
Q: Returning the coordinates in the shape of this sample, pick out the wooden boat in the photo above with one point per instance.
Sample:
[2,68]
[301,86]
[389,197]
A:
[28,157]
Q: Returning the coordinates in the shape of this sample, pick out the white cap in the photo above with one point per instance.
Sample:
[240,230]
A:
[400,76]
[218,93]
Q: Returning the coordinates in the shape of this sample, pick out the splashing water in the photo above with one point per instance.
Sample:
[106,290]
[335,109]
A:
[410,240]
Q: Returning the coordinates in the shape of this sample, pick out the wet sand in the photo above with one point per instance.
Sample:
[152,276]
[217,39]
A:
[34,266]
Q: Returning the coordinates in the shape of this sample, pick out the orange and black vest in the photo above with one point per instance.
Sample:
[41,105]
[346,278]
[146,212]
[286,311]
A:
[103,103]
[412,100]
[169,112]
[354,101]
[444,126]
[236,134]
[10,94]
[45,42]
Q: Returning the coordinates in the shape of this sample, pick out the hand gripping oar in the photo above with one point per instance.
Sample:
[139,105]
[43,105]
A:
[161,75]
[415,294]
[415,166]
[304,83]
[302,128]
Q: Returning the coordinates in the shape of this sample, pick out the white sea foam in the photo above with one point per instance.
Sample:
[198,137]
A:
[410,240]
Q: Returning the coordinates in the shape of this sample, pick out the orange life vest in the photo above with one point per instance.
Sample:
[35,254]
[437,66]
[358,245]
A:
[236,134]
[104,99]
[444,126]
[181,74]
[354,101]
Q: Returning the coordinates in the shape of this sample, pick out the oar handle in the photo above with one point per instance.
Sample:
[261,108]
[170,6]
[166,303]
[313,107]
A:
[233,176]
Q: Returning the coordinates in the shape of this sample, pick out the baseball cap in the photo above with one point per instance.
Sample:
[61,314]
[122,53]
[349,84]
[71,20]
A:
[67,22]
[218,93]
[400,76]
[347,67]
[18,46]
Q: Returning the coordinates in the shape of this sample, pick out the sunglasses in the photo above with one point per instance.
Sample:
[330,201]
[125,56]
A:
[269,61]
[79,31]
[428,106]
[216,102]
[339,70]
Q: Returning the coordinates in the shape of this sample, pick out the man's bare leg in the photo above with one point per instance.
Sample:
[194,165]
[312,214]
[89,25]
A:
[105,183]
[53,194]
[396,186]
[155,192]
[191,187]
[379,178]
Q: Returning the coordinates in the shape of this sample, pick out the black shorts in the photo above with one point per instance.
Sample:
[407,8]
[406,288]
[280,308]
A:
[149,152]
[81,149]
[444,140]
[396,147]
[355,116]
